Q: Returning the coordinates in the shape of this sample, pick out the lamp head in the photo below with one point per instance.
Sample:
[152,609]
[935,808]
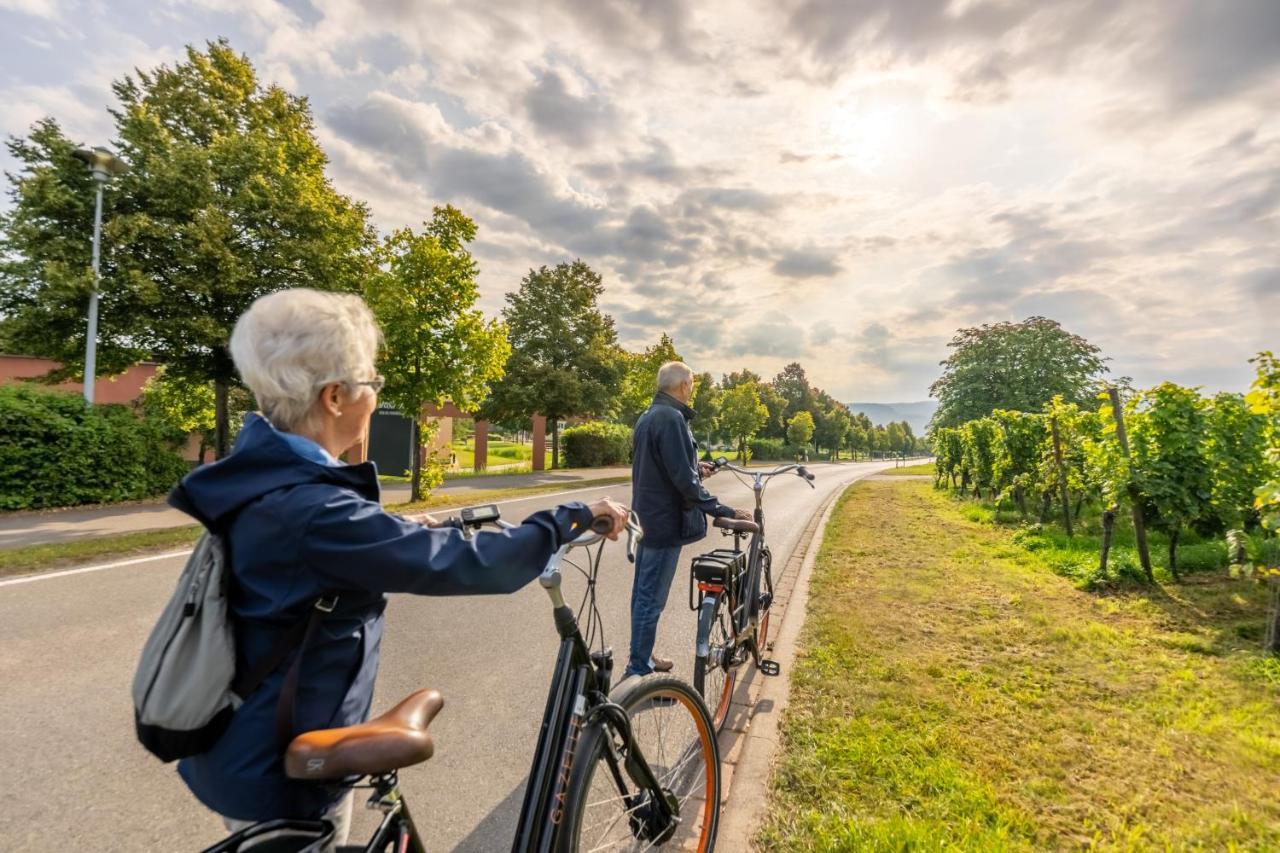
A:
[101,162]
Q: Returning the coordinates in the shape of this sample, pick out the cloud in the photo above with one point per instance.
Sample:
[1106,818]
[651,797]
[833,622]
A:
[778,338]
[807,263]
[423,145]
[578,120]
[844,182]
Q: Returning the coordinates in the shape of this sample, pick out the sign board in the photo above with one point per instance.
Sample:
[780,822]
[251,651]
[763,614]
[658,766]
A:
[390,441]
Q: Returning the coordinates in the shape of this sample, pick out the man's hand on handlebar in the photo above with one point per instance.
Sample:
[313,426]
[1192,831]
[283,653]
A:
[426,519]
[612,510]
[743,515]
[706,469]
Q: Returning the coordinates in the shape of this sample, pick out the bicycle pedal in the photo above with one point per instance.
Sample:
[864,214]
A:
[770,667]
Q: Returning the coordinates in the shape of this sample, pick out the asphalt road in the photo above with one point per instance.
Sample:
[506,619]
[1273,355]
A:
[74,778]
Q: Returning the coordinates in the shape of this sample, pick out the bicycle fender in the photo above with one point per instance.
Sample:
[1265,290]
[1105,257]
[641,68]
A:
[707,612]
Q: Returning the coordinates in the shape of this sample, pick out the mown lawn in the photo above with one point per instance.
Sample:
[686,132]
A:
[500,453]
[953,692]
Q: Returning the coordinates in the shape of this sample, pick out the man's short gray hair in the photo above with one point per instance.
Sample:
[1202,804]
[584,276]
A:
[292,343]
[673,374]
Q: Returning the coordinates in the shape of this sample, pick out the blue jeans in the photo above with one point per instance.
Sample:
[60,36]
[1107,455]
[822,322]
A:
[655,567]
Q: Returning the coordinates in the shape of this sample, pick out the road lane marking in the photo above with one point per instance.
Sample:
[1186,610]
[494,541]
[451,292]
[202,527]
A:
[65,572]
[167,555]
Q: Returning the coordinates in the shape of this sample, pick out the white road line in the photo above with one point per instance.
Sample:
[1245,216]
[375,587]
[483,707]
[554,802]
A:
[80,571]
[165,556]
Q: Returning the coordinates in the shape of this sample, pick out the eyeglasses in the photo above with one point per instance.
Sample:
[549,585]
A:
[376,383]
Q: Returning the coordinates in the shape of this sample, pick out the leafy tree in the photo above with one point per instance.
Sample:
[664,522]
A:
[742,414]
[640,380]
[564,358]
[186,406]
[800,430]
[1015,466]
[831,424]
[437,346]
[1264,399]
[793,386]
[978,438]
[706,402]
[1166,427]
[225,200]
[1014,366]
[948,452]
[1235,448]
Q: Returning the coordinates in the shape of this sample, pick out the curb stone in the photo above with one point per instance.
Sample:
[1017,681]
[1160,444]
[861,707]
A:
[750,739]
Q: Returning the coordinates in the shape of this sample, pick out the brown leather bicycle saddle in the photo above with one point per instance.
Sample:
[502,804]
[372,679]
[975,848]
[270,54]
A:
[396,739]
[737,525]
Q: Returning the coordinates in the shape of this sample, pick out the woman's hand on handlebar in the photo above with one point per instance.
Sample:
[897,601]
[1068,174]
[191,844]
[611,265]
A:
[612,510]
[426,519]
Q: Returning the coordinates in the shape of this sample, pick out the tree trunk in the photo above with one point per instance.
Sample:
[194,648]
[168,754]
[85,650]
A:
[415,462]
[1272,640]
[1108,525]
[1021,500]
[1046,503]
[1079,506]
[1173,553]
[221,418]
[1062,477]
[555,443]
[1139,524]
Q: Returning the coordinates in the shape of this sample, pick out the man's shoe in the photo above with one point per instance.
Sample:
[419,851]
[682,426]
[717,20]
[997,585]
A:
[661,664]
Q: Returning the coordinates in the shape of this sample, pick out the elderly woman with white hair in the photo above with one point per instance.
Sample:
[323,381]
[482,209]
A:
[303,528]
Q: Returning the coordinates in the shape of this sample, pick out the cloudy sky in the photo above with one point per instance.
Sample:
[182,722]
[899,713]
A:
[842,183]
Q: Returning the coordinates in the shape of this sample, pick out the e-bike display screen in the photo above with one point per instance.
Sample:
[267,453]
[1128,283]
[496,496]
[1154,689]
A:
[478,515]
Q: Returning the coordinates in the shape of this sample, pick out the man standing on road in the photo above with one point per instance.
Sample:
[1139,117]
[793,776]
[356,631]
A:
[668,496]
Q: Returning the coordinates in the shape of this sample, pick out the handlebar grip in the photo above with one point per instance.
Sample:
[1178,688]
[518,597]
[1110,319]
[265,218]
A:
[601,524]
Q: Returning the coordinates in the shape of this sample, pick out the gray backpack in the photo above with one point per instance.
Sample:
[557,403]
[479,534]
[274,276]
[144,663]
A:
[186,687]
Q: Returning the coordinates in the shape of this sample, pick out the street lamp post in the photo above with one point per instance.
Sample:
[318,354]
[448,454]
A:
[103,165]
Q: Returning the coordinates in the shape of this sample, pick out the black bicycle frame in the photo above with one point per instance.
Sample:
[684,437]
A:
[578,698]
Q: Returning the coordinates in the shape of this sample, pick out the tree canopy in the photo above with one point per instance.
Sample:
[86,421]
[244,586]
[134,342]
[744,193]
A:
[225,200]
[1015,366]
[437,346]
[564,355]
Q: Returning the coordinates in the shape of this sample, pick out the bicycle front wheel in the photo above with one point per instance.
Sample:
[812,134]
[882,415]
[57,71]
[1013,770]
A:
[607,810]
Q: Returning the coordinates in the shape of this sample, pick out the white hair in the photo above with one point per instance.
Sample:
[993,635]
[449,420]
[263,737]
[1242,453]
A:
[673,374]
[292,343]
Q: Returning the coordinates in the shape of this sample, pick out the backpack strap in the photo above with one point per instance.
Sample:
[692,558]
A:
[298,637]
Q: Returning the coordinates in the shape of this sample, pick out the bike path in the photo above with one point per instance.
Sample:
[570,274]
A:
[71,643]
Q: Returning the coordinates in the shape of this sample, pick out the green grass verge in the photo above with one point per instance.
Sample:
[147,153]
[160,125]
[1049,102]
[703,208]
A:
[41,558]
[910,470]
[55,555]
[953,693]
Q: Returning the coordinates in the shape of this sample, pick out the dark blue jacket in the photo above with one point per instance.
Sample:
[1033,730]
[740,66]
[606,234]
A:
[666,489]
[298,529]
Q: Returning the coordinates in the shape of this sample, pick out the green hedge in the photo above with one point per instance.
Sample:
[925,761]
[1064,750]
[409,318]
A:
[55,451]
[772,449]
[596,444]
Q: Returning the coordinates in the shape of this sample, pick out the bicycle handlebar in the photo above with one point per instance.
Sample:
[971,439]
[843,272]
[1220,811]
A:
[724,464]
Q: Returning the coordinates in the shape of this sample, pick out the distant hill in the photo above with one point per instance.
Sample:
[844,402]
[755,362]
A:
[916,414]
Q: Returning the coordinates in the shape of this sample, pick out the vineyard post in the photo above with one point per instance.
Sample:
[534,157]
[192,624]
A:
[1062,476]
[1139,527]
[1108,525]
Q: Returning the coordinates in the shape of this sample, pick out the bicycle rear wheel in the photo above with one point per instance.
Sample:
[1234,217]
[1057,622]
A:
[766,599]
[714,676]
[605,810]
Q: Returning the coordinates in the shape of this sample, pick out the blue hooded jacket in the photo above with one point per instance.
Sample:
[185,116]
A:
[666,489]
[298,528]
